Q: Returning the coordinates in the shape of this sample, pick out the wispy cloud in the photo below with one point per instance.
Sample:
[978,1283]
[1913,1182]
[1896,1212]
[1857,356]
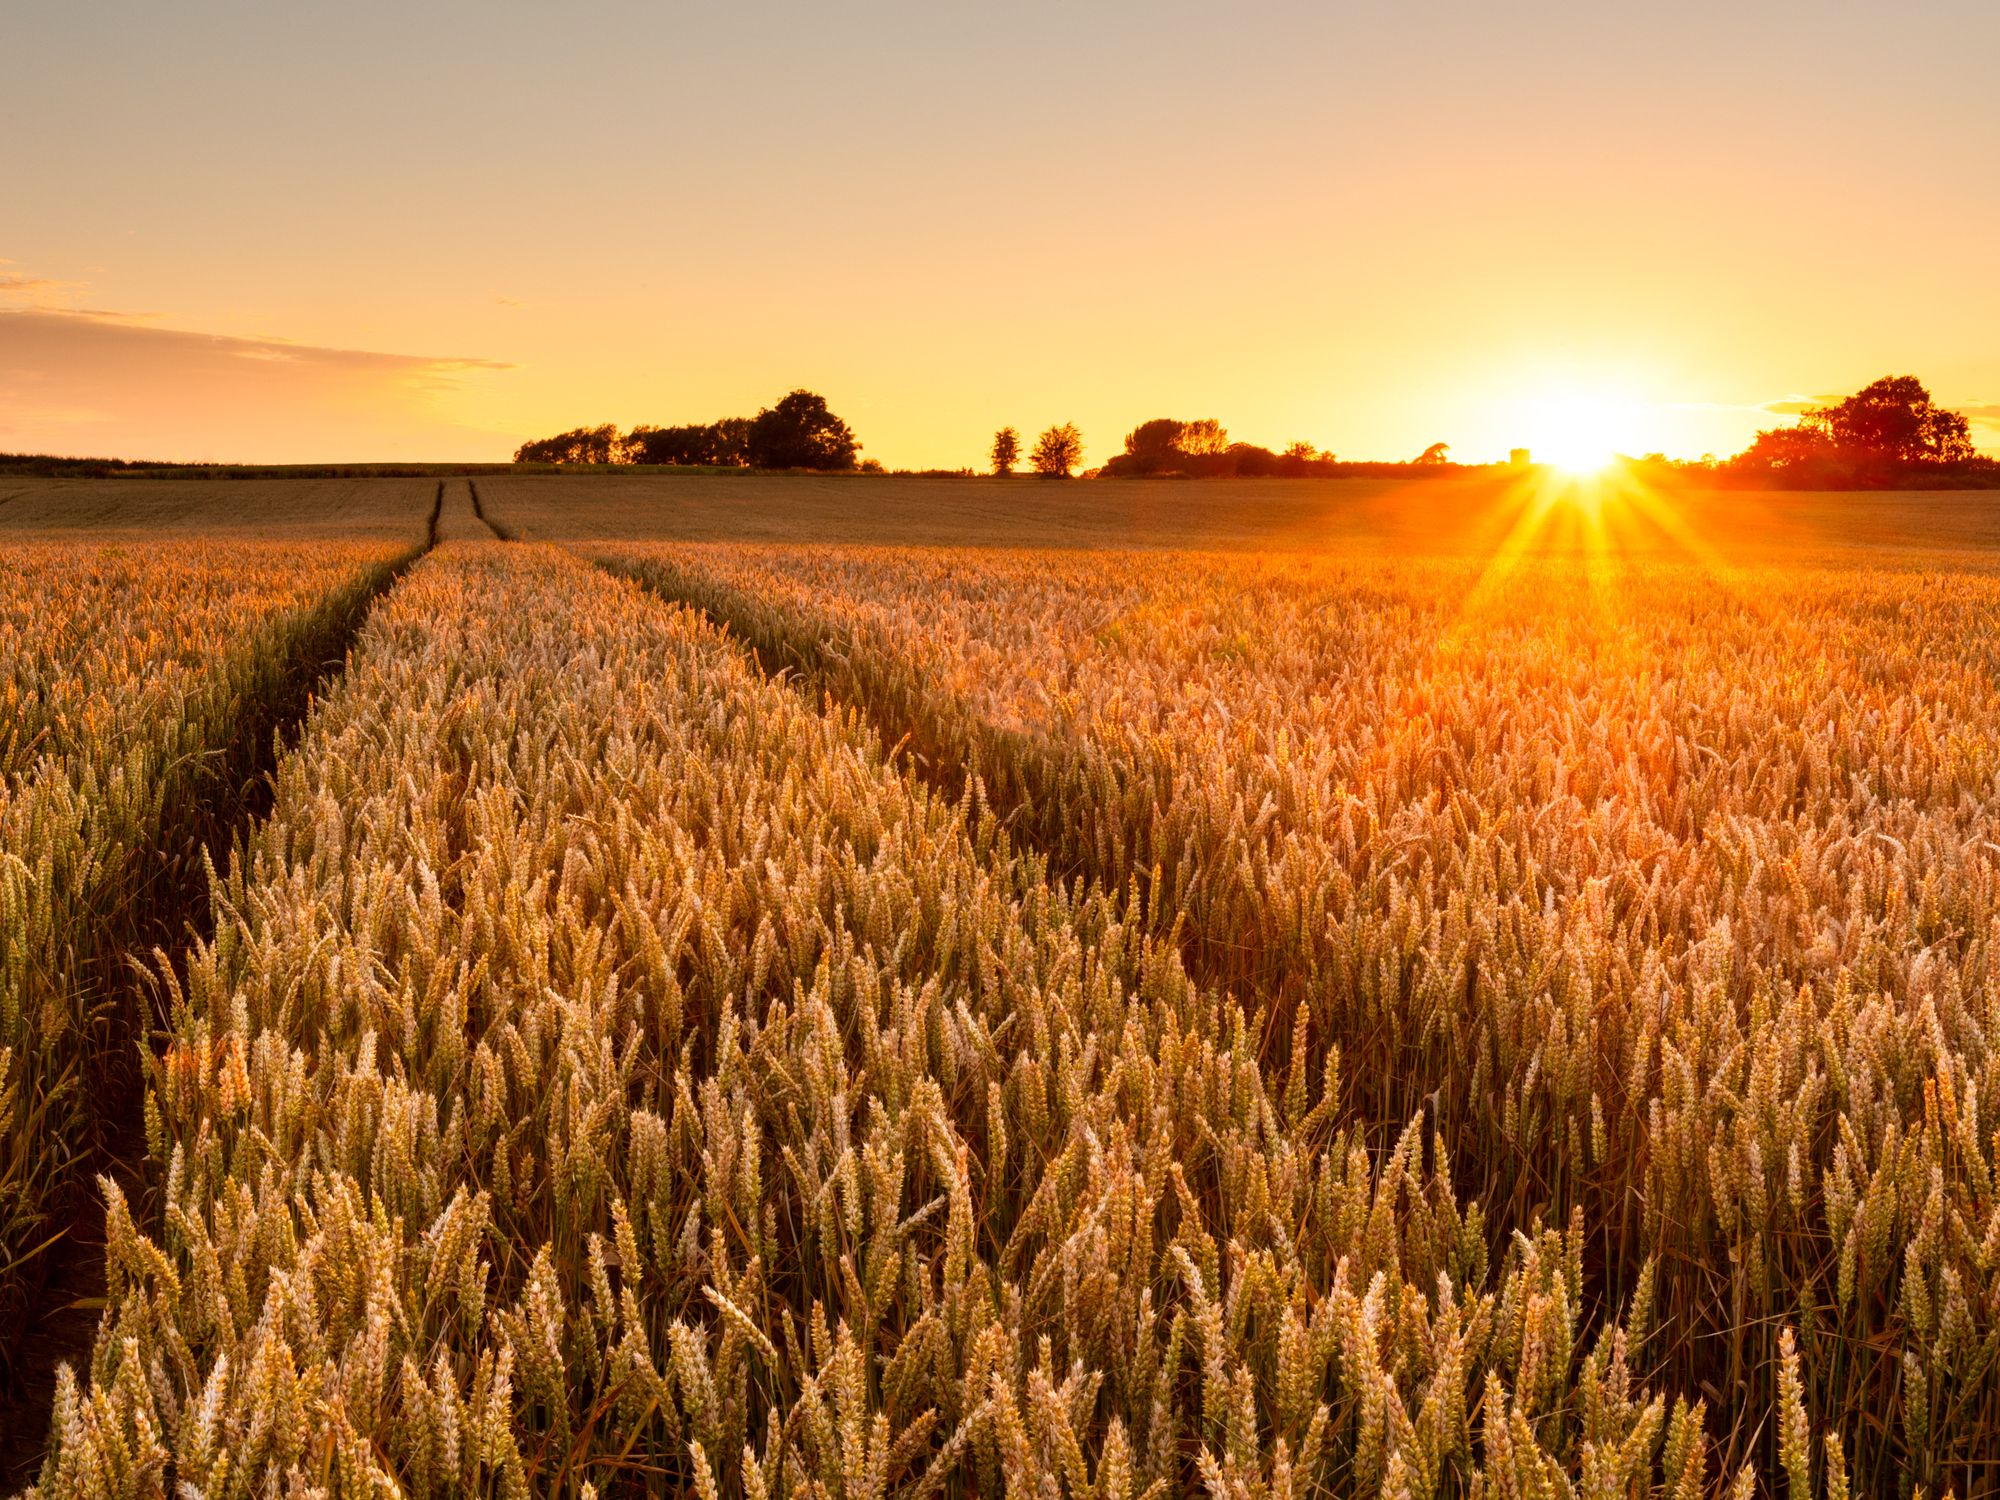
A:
[1798,406]
[81,379]
[223,345]
[14,284]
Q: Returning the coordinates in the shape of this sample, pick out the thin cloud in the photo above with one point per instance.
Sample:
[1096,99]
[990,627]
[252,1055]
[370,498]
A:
[12,283]
[1723,406]
[1798,406]
[228,346]
[77,379]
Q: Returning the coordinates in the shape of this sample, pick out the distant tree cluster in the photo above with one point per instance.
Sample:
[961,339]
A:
[580,445]
[1202,449]
[1889,431]
[1056,454]
[715,445]
[799,432]
[59,466]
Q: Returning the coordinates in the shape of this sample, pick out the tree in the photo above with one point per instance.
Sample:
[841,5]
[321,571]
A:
[1057,451]
[712,444]
[1203,438]
[1006,450]
[1886,427]
[1893,421]
[1788,448]
[666,445]
[580,445]
[1243,461]
[642,445]
[729,442]
[800,433]
[1437,453]
[1302,452]
[1153,446]
[1166,445]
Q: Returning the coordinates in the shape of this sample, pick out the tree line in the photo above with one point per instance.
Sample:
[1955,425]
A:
[1164,446]
[798,432]
[1891,432]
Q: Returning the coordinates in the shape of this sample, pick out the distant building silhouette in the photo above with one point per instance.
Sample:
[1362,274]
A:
[1519,458]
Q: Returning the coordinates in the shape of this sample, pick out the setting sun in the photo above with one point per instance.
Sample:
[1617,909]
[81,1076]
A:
[1579,434]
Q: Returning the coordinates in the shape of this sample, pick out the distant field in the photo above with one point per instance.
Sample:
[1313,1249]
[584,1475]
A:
[1453,515]
[779,986]
[355,509]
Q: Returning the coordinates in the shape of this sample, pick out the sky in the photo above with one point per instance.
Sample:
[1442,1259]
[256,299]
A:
[381,231]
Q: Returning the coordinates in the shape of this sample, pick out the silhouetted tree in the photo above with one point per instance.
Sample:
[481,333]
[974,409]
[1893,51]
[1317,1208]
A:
[666,445]
[1058,451]
[646,444]
[1302,459]
[580,445]
[1887,428]
[1006,450]
[1437,453]
[729,441]
[1244,460]
[1894,421]
[714,444]
[1166,445]
[1152,447]
[800,433]
[1203,438]
[1202,449]
[1788,449]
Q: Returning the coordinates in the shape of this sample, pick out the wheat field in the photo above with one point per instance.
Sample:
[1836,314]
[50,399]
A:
[128,681]
[804,1018]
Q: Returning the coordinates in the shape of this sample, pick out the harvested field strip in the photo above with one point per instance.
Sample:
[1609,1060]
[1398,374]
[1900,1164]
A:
[1669,899]
[609,1070]
[149,757]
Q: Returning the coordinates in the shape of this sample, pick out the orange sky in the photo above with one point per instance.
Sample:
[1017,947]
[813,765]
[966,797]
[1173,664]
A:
[238,232]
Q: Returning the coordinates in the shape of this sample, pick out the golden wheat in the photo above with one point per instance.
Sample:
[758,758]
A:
[124,677]
[1668,896]
[612,1073]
